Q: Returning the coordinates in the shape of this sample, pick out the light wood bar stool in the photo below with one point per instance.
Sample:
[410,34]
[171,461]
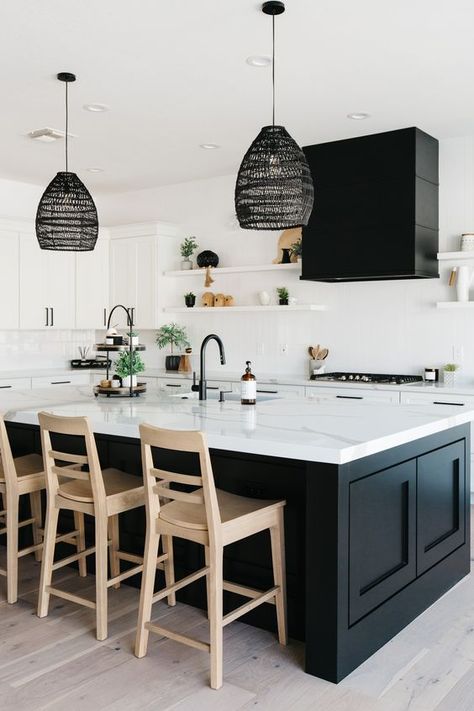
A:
[21,476]
[214,519]
[103,494]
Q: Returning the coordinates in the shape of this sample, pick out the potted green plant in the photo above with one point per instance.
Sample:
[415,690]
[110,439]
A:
[129,365]
[172,335]
[187,249]
[449,374]
[296,250]
[190,299]
[134,338]
[283,295]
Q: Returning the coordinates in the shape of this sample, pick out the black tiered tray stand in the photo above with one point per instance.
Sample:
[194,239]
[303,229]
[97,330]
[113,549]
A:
[132,390]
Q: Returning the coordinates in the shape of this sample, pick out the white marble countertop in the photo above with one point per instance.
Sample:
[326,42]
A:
[313,430]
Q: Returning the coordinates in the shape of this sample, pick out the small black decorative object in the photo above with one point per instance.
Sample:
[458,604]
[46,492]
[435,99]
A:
[66,219]
[172,362]
[190,300]
[207,259]
[274,188]
[285,256]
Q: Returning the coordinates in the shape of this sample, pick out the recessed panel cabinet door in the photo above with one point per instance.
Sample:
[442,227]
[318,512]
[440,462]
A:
[441,504]
[9,273]
[382,537]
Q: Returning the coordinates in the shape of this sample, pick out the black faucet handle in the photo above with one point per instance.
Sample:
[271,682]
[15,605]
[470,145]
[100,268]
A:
[222,395]
[194,386]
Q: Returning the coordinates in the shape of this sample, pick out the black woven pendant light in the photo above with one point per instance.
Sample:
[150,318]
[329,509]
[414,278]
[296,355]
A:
[274,188]
[66,219]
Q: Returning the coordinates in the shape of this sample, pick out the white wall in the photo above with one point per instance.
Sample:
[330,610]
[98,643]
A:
[378,326]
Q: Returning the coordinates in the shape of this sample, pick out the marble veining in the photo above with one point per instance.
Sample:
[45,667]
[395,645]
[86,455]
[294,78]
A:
[317,430]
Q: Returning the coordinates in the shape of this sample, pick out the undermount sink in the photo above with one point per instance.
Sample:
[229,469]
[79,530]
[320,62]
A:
[214,395]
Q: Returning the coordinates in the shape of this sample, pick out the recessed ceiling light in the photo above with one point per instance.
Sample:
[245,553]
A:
[96,108]
[259,60]
[95,170]
[358,116]
[209,146]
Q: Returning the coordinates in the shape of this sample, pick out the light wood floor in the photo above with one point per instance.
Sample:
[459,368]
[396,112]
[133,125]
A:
[56,663]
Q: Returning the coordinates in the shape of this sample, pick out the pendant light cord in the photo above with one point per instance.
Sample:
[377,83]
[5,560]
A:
[273,67]
[67,123]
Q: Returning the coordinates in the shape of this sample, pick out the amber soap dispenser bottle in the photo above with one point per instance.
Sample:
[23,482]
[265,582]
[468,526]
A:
[248,387]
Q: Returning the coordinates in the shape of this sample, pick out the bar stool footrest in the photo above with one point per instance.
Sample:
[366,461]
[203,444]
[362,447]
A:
[71,597]
[190,641]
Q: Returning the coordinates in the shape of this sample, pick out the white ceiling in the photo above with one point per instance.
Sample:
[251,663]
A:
[174,75]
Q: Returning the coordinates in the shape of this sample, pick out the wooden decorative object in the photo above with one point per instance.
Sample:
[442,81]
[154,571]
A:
[185,364]
[207,298]
[229,300]
[208,280]
[219,300]
[286,239]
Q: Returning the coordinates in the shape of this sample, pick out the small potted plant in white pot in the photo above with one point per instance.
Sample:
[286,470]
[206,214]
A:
[283,295]
[187,249]
[134,338]
[127,366]
[172,335]
[449,374]
[296,250]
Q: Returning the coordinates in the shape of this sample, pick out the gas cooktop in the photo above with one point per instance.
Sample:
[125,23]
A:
[368,378]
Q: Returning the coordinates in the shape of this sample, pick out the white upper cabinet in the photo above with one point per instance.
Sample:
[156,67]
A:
[92,286]
[135,270]
[9,275]
[47,286]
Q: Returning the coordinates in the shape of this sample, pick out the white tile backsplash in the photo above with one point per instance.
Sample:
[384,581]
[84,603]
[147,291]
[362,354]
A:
[23,350]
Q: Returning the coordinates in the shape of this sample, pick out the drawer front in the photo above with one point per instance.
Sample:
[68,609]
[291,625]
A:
[281,391]
[58,380]
[354,394]
[15,384]
[174,384]
[389,533]
[441,508]
[442,400]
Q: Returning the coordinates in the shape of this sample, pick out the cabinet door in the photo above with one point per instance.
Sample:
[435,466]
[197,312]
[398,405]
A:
[47,286]
[441,503]
[92,286]
[382,537]
[123,273]
[133,278]
[9,274]
[354,394]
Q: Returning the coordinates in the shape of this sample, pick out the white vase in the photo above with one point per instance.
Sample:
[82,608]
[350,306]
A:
[264,298]
[126,381]
[135,340]
[186,264]
[463,282]
[449,378]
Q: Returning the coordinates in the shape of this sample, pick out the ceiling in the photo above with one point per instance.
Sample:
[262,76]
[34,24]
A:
[174,76]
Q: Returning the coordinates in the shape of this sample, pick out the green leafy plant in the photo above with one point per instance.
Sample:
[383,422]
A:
[129,364]
[296,248]
[189,295]
[173,335]
[188,247]
[282,292]
[451,367]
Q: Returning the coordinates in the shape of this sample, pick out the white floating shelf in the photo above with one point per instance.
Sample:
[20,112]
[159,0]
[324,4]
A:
[455,305]
[292,267]
[230,309]
[455,256]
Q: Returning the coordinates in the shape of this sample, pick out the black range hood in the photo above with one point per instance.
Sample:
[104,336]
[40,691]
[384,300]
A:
[375,212]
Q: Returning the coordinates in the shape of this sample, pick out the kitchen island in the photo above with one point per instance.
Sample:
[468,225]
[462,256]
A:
[377,517]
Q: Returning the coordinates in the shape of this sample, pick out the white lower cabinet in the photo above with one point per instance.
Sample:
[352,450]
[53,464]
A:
[15,383]
[57,380]
[353,394]
[279,391]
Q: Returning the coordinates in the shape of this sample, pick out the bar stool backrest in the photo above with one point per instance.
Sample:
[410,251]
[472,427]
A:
[157,481]
[78,427]
[6,457]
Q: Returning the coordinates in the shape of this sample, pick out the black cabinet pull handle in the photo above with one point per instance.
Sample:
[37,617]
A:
[52,316]
[171,385]
[458,404]
[47,316]
[350,397]
[212,387]
[4,387]
[60,382]
[269,392]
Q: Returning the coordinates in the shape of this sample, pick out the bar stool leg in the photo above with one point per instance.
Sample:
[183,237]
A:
[101,573]
[215,605]
[277,536]
[207,561]
[114,547]
[169,567]
[49,544]
[146,594]
[35,506]
[12,548]
[80,542]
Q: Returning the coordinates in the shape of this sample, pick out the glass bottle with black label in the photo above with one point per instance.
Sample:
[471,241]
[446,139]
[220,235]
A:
[248,386]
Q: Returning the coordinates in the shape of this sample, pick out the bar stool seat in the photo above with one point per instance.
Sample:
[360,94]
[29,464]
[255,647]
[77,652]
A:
[231,507]
[29,466]
[116,483]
